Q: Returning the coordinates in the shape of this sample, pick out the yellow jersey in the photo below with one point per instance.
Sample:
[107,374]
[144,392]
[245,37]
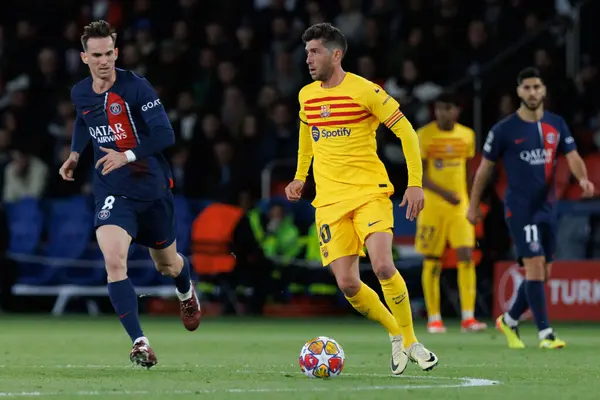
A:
[337,133]
[446,154]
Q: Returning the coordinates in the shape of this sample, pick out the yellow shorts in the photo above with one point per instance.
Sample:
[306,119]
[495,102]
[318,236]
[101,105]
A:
[344,226]
[435,229]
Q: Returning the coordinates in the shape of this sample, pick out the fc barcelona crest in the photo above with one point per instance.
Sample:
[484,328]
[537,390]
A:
[325,111]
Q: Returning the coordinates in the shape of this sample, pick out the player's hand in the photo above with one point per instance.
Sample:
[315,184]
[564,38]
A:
[415,200]
[66,170]
[587,187]
[111,161]
[473,214]
[293,191]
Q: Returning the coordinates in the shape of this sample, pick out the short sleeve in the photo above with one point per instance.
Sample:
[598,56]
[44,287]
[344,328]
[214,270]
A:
[382,105]
[566,143]
[493,146]
[471,144]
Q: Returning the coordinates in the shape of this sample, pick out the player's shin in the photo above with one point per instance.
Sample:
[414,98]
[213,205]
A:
[467,287]
[367,302]
[124,300]
[183,280]
[536,297]
[396,297]
[512,316]
[430,279]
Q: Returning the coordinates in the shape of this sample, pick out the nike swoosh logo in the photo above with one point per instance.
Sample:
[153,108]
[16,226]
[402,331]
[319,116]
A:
[394,366]
[85,112]
[161,242]
[431,358]
[399,299]
[123,316]
[373,223]
[519,141]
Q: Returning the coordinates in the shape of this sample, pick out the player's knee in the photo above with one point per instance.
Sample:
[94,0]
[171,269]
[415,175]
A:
[535,269]
[116,266]
[168,267]
[348,284]
[383,268]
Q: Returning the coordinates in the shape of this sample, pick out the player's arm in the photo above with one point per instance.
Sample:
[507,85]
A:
[80,136]
[293,191]
[305,150]
[492,150]
[576,164]
[161,134]
[79,141]
[428,184]
[470,155]
[387,110]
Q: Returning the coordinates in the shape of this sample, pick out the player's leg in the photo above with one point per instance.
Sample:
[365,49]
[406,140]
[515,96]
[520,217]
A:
[340,248]
[367,302]
[547,336]
[530,253]
[116,225]
[430,241]
[374,222]
[114,243]
[171,263]
[461,235]
[158,232]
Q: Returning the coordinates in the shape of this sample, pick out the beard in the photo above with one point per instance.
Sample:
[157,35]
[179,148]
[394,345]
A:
[324,75]
[532,106]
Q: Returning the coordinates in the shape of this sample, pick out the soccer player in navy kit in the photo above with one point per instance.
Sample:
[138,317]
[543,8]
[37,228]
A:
[128,126]
[528,143]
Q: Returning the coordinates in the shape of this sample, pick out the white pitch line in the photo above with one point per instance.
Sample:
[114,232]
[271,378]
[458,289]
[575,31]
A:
[464,382]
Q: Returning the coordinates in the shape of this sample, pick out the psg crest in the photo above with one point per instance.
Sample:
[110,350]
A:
[103,214]
[325,111]
[115,109]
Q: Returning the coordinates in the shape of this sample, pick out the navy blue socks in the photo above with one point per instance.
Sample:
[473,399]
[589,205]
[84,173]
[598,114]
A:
[182,281]
[520,305]
[536,296]
[124,301]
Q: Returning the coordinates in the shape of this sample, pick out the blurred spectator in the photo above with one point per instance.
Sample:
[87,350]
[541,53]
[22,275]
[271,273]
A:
[24,176]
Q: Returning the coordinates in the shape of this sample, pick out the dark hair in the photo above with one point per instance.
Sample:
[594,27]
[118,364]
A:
[97,29]
[529,72]
[449,98]
[330,36]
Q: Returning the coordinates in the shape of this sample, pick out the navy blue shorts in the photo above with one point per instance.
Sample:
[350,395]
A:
[532,238]
[149,223]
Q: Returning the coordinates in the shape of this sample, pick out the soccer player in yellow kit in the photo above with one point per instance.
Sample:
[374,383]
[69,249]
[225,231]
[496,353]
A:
[446,146]
[339,113]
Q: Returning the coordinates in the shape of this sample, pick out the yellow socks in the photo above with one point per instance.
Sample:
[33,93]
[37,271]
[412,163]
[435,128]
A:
[467,287]
[367,302]
[396,297]
[430,279]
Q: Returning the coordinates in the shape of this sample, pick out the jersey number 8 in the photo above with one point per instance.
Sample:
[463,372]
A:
[108,203]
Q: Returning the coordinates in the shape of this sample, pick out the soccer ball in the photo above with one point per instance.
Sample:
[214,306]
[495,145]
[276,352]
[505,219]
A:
[321,357]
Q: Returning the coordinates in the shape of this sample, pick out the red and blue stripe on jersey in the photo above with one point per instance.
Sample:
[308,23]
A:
[528,151]
[129,116]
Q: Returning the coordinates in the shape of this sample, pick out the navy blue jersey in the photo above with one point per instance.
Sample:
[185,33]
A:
[528,151]
[128,116]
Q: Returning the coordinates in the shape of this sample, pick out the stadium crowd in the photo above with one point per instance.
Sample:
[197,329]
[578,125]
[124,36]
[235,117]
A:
[228,72]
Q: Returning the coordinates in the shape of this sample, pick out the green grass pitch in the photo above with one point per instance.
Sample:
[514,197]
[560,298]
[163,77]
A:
[84,357]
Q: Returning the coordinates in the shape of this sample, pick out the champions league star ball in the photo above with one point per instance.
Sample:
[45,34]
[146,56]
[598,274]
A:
[321,357]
